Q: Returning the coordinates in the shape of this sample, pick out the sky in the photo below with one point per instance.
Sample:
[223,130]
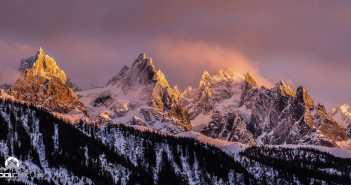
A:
[302,42]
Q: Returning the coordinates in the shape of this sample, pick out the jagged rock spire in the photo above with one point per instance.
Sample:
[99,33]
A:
[248,85]
[142,72]
[141,56]
[161,79]
[44,84]
[42,65]
[161,98]
[250,80]
[284,89]
[304,97]
[205,75]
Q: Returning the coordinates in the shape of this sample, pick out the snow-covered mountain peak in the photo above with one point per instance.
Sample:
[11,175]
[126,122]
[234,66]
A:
[219,85]
[225,72]
[216,96]
[142,72]
[141,95]
[222,76]
[222,107]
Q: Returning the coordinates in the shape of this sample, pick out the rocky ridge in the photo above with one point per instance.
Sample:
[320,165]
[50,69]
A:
[225,105]
[214,107]
[280,115]
[138,95]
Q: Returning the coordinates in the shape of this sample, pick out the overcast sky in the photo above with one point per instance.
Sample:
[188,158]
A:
[302,42]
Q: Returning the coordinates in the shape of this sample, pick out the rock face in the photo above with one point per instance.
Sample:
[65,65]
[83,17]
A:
[230,127]
[214,107]
[211,91]
[233,108]
[282,116]
[44,84]
[139,95]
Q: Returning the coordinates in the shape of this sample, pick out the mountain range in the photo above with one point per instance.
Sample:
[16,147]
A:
[227,119]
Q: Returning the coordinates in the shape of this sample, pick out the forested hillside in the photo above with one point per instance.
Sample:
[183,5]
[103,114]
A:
[55,152]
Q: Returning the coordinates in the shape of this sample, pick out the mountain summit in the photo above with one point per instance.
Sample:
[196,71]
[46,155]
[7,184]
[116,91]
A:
[142,72]
[138,95]
[44,84]
[233,108]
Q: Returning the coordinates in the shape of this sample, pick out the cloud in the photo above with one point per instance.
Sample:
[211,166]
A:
[185,60]
[10,58]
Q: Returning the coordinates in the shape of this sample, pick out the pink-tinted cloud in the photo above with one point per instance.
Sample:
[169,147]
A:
[9,53]
[189,59]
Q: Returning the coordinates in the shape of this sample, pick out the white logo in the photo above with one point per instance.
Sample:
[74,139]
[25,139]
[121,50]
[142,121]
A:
[12,164]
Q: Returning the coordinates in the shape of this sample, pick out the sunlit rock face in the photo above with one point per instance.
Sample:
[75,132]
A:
[232,107]
[5,96]
[214,107]
[139,95]
[212,90]
[44,84]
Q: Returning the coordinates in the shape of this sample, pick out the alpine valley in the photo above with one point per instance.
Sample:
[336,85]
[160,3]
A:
[138,129]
